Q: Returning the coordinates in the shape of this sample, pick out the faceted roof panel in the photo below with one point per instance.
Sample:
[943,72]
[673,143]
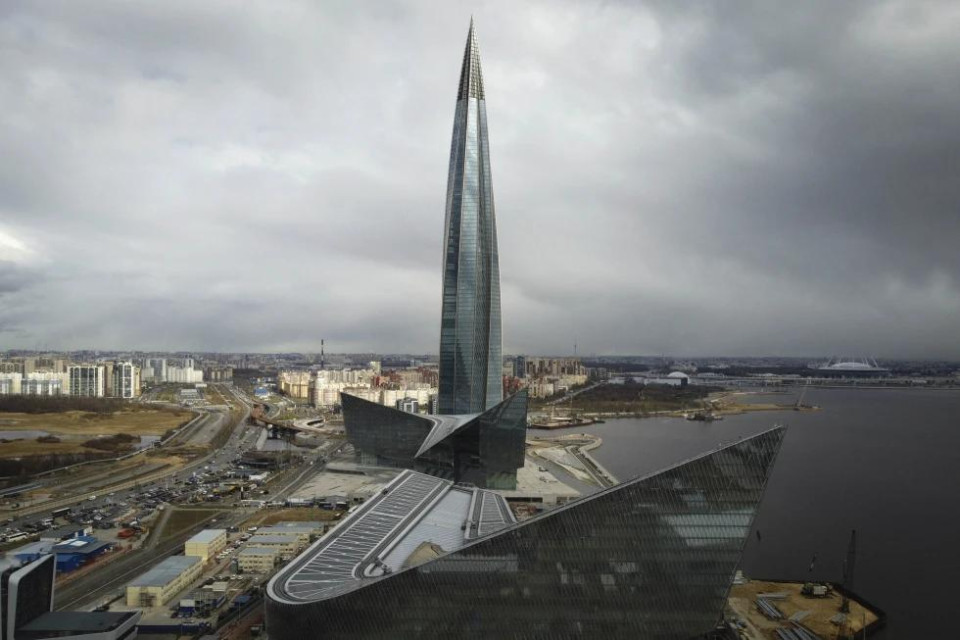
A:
[653,557]
[378,537]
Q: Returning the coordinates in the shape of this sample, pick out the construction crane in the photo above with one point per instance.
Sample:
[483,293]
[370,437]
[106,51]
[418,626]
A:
[848,565]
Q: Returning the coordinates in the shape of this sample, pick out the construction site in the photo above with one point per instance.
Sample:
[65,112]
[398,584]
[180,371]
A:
[792,610]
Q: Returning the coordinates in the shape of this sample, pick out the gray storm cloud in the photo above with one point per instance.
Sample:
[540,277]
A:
[670,178]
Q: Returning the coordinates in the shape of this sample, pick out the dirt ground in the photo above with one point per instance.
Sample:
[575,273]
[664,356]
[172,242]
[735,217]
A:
[300,514]
[23,448]
[742,598]
[175,521]
[146,422]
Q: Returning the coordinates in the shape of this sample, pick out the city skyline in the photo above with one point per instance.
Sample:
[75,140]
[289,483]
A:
[671,179]
[471,347]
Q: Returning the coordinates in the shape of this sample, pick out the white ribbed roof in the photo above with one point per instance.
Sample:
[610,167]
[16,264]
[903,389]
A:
[380,535]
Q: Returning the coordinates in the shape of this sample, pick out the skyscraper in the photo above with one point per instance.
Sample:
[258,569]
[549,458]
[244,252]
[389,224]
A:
[470,336]
[476,436]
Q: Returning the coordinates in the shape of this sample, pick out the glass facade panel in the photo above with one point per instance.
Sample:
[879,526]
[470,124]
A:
[485,450]
[381,435]
[471,356]
[650,558]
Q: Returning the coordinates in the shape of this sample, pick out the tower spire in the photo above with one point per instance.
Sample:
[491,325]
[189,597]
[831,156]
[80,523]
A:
[471,78]
[471,344]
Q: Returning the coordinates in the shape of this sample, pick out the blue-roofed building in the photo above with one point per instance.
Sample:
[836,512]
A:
[71,554]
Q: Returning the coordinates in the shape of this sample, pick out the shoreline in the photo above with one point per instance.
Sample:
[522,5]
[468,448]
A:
[580,465]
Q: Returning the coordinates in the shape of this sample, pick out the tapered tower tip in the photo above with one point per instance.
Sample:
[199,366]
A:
[471,78]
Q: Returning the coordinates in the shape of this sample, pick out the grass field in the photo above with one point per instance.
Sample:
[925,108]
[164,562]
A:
[212,395]
[138,422]
[23,448]
[77,426]
[181,520]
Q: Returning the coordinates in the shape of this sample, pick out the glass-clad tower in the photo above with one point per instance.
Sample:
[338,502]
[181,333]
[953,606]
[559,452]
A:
[470,338]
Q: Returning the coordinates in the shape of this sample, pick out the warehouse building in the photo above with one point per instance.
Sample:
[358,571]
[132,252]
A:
[257,559]
[206,544]
[71,553]
[155,587]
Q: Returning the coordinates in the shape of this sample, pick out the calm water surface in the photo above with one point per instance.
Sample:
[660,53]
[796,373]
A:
[884,462]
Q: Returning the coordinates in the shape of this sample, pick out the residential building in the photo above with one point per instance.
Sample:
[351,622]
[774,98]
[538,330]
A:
[155,369]
[126,380]
[42,384]
[185,374]
[10,383]
[295,384]
[218,373]
[87,380]
[410,405]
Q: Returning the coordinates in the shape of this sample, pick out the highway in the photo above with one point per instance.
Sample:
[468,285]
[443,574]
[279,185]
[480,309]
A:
[102,584]
[570,396]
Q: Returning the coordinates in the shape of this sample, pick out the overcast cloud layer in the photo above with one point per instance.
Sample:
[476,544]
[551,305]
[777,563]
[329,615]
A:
[680,178]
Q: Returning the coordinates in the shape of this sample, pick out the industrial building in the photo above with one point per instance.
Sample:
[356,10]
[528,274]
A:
[155,587]
[254,559]
[206,544]
[71,554]
[484,449]
[204,600]
[653,557]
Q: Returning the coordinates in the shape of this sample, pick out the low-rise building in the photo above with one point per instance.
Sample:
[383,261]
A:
[257,559]
[206,544]
[71,554]
[155,587]
[302,530]
[286,544]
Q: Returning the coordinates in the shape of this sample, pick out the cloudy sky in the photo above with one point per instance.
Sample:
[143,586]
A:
[679,178]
